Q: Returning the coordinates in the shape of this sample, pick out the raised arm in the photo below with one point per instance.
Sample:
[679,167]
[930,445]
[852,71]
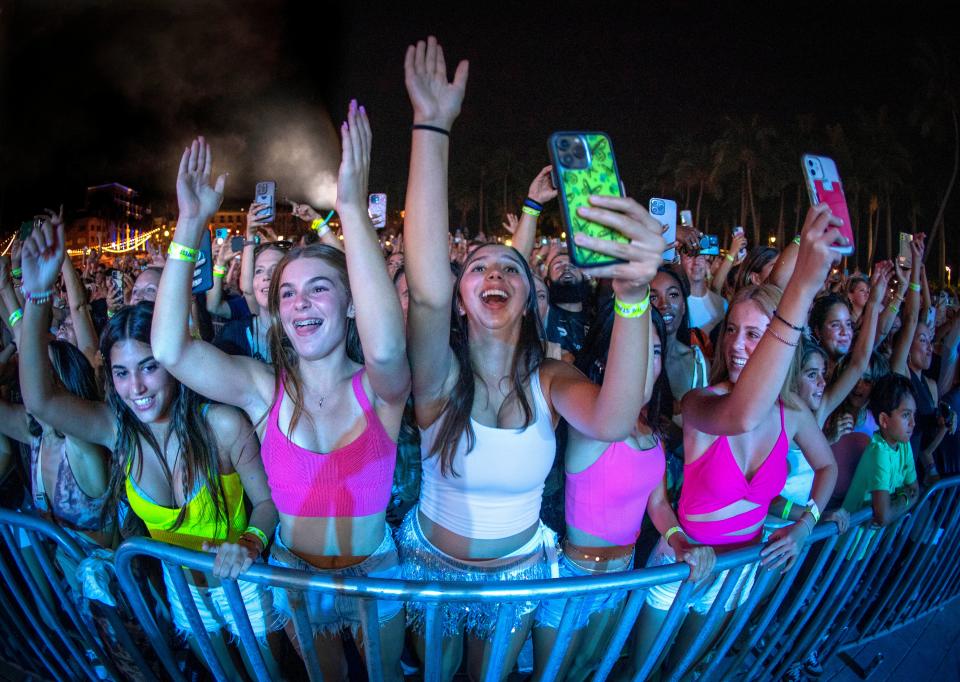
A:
[748,403]
[44,398]
[541,191]
[890,312]
[14,422]
[948,357]
[317,222]
[378,313]
[247,257]
[214,298]
[86,333]
[737,242]
[608,413]
[436,104]
[911,311]
[836,392]
[243,382]
[783,270]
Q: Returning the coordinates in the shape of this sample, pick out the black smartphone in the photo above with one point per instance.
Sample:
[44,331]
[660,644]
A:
[236,244]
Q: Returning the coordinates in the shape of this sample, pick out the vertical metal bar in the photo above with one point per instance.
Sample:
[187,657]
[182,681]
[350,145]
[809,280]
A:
[743,614]
[635,602]
[571,614]
[501,639]
[122,564]
[946,581]
[304,633]
[370,623]
[716,612]
[231,591]
[937,566]
[193,618]
[675,616]
[31,617]
[823,581]
[123,640]
[47,610]
[820,618]
[13,615]
[433,643]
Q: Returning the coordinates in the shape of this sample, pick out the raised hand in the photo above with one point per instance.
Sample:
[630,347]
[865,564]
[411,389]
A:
[738,243]
[879,279]
[42,255]
[643,253]
[435,100]
[196,197]
[304,212]
[816,255]
[253,221]
[225,252]
[354,173]
[511,222]
[542,189]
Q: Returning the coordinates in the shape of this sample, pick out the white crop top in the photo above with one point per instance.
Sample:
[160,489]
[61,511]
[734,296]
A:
[499,487]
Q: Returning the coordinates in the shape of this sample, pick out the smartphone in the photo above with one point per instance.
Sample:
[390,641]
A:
[686,218]
[738,230]
[377,209]
[709,245]
[583,164]
[236,244]
[266,194]
[905,259]
[222,234]
[823,185]
[117,277]
[665,211]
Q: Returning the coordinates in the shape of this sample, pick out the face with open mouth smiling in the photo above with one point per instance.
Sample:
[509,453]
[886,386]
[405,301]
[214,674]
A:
[494,288]
[746,324]
[812,381]
[140,381]
[667,297]
[314,306]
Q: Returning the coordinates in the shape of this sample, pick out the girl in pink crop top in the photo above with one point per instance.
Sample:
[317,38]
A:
[328,412]
[353,480]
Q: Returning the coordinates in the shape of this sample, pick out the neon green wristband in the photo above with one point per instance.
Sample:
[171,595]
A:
[17,273]
[796,240]
[632,310]
[259,534]
[185,253]
[15,317]
[914,286]
[671,531]
[531,211]
[786,510]
[219,271]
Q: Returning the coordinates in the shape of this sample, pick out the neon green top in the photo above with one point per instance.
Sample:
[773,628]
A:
[200,523]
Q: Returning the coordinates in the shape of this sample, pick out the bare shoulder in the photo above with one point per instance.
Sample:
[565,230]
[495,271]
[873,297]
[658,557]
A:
[227,423]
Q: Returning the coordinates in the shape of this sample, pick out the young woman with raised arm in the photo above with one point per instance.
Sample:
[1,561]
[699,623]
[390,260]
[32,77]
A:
[736,434]
[486,401]
[183,466]
[328,417]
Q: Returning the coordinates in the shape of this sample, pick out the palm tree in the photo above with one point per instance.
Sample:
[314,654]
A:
[937,105]
[742,149]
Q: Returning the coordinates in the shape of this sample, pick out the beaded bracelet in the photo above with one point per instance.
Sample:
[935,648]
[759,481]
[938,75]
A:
[781,339]
[185,253]
[39,297]
[632,310]
[15,317]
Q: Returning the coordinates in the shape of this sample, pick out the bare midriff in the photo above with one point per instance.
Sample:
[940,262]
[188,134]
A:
[473,549]
[332,543]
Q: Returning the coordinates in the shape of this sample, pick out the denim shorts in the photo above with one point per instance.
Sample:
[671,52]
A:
[422,561]
[550,612]
[215,611]
[327,612]
[661,597]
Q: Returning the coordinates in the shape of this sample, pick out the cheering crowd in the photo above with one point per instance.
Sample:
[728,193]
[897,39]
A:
[462,410]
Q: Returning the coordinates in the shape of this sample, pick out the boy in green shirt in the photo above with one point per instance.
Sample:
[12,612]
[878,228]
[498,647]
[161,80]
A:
[886,477]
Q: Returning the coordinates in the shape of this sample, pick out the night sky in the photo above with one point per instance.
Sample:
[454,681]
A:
[105,91]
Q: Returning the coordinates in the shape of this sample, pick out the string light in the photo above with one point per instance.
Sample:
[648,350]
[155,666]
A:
[9,244]
[126,246]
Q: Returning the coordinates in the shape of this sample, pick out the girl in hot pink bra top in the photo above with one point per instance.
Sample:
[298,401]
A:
[328,420]
[736,433]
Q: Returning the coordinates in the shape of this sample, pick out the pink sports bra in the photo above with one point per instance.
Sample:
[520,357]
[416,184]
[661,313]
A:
[353,481]
[609,498]
[715,481]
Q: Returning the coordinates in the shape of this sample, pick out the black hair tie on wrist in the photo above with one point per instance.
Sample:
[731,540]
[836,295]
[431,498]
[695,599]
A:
[435,129]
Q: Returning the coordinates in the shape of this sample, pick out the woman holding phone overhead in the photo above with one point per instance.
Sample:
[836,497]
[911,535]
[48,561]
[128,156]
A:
[483,393]
[328,416]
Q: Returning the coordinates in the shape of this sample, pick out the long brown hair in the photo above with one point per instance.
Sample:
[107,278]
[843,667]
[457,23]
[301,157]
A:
[285,358]
[766,297]
[454,419]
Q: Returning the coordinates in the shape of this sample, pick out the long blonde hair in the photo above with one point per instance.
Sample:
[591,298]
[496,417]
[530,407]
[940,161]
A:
[766,297]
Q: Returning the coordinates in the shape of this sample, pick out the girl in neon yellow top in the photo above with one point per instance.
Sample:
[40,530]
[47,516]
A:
[186,465]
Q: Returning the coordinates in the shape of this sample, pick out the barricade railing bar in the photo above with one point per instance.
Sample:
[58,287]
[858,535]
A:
[843,591]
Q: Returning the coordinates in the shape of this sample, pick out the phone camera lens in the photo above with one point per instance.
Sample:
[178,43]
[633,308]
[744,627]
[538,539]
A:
[563,144]
[566,160]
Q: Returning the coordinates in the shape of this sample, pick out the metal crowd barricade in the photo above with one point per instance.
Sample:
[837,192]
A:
[844,591]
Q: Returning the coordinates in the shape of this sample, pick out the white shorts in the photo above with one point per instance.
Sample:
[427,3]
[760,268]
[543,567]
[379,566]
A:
[661,597]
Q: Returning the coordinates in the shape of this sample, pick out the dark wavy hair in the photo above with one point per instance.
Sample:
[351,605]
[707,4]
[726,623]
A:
[756,260]
[285,358]
[196,443]
[454,419]
[821,308]
[683,331]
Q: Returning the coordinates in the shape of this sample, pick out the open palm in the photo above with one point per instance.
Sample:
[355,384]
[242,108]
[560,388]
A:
[435,100]
[42,257]
[196,197]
